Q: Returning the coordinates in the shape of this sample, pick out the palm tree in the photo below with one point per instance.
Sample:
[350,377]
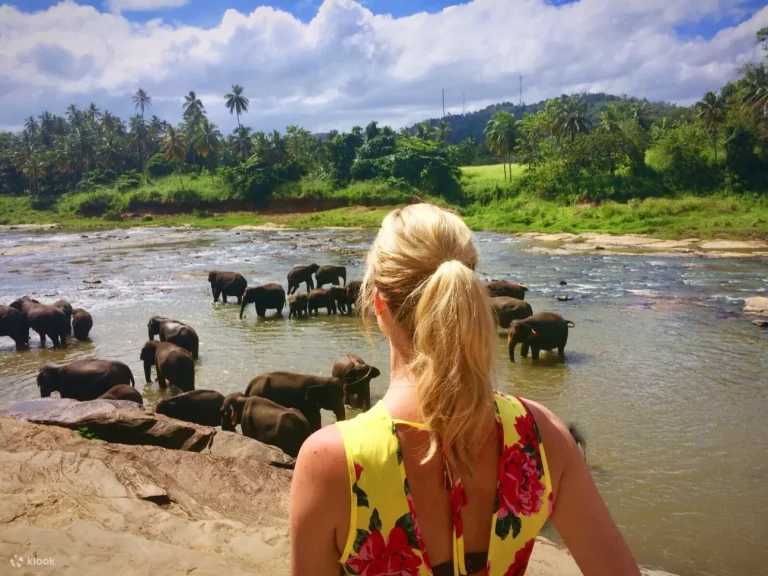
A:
[193,108]
[609,120]
[711,111]
[31,163]
[443,131]
[67,157]
[241,144]
[500,136]
[569,118]
[139,138]
[236,102]
[74,116]
[175,146]
[755,91]
[111,152]
[659,128]
[31,126]
[142,100]
[93,112]
[208,142]
[424,130]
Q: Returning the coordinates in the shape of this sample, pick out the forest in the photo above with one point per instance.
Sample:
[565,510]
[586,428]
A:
[581,148]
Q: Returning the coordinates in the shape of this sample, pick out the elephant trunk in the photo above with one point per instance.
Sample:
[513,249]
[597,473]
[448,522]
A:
[148,371]
[511,343]
[243,304]
[341,415]
[150,334]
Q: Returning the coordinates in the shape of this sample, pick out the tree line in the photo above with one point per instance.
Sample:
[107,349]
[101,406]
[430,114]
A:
[581,146]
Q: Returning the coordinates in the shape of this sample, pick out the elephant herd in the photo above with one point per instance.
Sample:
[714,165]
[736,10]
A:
[278,408]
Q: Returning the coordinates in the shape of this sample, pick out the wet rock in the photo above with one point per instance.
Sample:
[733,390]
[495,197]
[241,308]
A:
[563,283]
[599,247]
[761,323]
[756,306]
[84,236]
[565,298]
[92,280]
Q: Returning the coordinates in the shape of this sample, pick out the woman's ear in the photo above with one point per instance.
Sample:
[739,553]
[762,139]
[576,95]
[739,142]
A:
[379,304]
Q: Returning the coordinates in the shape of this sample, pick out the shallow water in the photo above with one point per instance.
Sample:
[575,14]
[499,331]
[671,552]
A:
[667,380]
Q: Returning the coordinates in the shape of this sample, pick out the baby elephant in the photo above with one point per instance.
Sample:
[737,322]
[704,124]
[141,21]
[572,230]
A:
[322,298]
[506,309]
[298,305]
[122,392]
[544,331]
[227,284]
[174,331]
[266,297]
[82,322]
[356,377]
[265,421]
[171,362]
[197,406]
[65,307]
[506,288]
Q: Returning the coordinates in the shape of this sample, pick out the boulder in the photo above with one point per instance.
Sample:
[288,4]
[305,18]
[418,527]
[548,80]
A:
[756,306]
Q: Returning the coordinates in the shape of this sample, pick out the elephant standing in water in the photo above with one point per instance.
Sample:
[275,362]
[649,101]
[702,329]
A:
[83,379]
[307,393]
[356,377]
[123,392]
[506,309]
[299,274]
[322,298]
[543,331]
[65,307]
[14,325]
[266,297]
[227,284]
[172,363]
[82,322]
[265,421]
[45,320]
[351,293]
[298,305]
[174,331]
[505,288]
[330,275]
[197,406]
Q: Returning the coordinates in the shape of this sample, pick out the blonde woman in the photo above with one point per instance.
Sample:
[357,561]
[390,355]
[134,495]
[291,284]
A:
[443,476]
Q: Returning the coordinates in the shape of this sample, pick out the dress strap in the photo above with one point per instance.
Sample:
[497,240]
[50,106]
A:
[417,425]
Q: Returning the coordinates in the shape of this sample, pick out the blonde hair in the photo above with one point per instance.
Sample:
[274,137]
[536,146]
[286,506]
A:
[423,265]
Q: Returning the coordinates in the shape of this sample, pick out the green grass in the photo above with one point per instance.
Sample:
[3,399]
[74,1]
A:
[492,172]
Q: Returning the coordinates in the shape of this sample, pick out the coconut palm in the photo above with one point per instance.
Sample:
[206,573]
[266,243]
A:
[442,131]
[31,163]
[194,109]
[424,130]
[569,118]
[609,120]
[755,89]
[207,143]
[142,100]
[711,111]
[139,139]
[67,157]
[500,136]
[47,128]
[174,148]
[241,145]
[31,126]
[236,102]
[111,151]
[93,112]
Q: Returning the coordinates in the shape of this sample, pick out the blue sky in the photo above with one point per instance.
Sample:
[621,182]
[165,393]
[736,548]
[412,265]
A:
[327,64]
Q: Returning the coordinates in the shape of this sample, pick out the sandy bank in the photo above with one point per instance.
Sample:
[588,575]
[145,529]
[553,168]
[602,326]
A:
[593,243]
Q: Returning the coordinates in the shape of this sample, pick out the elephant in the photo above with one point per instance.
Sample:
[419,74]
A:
[174,331]
[355,376]
[506,309]
[122,392]
[14,325]
[330,275]
[339,295]
[543,331]
[265,421]
[82,322]
[505,288]
[307,393]
[227,284]
[197,406]
[298,305]
[45,320]
[172,363]
[266,297]
[299,274]
[321,298]
[352,293]
[83,379]
[65,307]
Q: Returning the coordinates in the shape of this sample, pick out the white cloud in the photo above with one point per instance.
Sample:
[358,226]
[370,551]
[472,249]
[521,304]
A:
[147,5]
[349,66]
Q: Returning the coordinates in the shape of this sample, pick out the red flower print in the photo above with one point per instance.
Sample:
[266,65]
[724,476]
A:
[458,501]
[521,489]
[358,471]
[521,560]
[395,558]
[525,428]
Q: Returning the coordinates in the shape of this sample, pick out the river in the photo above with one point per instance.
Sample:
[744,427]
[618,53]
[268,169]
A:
[666,378]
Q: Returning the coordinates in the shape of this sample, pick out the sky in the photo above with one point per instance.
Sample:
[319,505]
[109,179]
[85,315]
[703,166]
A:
[326,64]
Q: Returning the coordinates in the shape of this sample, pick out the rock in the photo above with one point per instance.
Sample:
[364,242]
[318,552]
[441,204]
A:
[84,236]
[761,323]
[92,280]
[756,306]
[563,283]
[727,245]
[599,247]
[565,298]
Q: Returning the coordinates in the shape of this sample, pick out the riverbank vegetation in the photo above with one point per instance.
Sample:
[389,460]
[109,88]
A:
[580,162]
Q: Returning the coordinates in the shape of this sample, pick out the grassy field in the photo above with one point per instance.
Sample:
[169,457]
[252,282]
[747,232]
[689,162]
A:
[702,216]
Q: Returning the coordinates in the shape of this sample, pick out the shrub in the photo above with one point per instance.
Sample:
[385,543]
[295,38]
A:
[113,215]
[94,204]
[129,181]
[157,166]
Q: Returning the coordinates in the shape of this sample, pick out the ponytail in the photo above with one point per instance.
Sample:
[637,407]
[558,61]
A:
[454,349]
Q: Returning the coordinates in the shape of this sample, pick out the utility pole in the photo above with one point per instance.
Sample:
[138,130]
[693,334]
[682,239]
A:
[443,102]
[521,91]
[463,103]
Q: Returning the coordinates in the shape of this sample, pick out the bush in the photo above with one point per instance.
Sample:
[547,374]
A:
[112,215]
[251,180]
[129,181]
[157,166]
[94,204]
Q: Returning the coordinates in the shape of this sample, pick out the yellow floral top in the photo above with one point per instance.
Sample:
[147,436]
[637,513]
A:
[384,537]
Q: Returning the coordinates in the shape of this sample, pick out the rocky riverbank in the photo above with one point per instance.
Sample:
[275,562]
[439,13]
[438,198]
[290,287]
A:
[211,502]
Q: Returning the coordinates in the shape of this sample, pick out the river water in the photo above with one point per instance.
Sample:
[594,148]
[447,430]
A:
[666,378]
